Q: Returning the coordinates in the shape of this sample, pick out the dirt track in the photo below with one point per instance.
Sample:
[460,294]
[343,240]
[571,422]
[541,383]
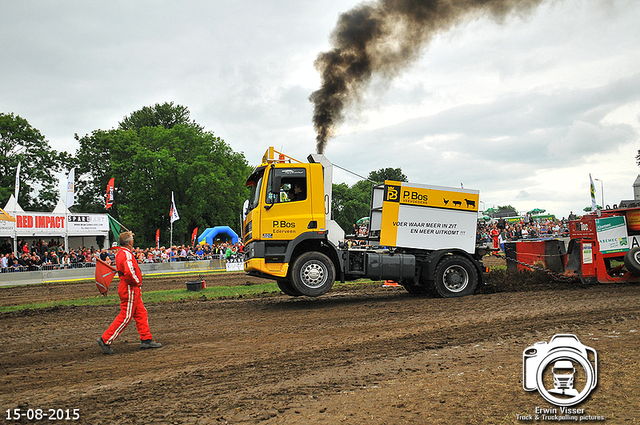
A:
[363,355]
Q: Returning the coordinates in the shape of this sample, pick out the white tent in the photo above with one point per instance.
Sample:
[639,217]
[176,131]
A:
[61,208]
[12,206]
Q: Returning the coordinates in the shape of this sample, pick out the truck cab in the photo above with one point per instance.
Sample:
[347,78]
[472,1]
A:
[289,214]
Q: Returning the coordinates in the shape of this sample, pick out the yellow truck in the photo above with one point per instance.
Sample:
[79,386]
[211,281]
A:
[423,237]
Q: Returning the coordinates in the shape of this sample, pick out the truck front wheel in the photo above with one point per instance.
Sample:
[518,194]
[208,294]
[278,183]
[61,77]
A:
[313,274]
[455,276]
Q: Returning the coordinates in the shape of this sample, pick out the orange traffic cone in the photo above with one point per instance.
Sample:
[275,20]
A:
[390,284]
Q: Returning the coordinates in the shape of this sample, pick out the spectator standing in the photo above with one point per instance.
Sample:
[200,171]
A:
[4,263]
[45,260]
[183,253]
[55,260]
[43,248]
[206,250]
[25,260]
[66,261]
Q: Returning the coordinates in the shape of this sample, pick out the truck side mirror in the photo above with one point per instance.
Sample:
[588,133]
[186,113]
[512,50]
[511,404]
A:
[276,182]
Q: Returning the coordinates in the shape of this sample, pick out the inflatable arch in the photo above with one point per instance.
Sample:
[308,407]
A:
[219,231]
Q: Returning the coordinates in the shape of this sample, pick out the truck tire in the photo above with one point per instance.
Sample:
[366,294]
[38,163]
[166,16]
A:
[632,261]
[455,276]
[287,288]
[313,274]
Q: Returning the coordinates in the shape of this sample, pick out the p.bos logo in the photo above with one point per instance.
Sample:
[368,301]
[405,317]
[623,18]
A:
[284,224]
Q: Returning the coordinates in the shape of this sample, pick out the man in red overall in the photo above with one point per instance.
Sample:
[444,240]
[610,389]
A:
[131,305]
[495,235]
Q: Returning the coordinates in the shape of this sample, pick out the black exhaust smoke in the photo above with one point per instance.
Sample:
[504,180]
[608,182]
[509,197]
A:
[382,38]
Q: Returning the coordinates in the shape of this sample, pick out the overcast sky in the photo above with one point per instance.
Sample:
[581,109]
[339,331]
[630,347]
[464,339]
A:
[522,110]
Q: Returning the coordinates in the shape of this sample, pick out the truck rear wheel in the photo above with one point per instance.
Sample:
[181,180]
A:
[313,274]
[455,276]
[632,261]
[287,288]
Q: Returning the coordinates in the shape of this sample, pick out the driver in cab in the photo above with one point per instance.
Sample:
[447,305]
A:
[297,193]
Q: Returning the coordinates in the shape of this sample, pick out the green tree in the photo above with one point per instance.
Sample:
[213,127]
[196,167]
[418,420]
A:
[149,163]
[350,203]
[166,115]
[22,143]
[383,174]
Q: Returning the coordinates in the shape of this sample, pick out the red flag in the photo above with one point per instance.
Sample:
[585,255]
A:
[110,188]
[104,275]
[194,236]
[158,238]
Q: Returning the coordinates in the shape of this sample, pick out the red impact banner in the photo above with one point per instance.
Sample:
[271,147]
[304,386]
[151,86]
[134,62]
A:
[157,238]
[110,188]
[194,236]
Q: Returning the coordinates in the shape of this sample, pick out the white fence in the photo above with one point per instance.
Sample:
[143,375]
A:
[83,273]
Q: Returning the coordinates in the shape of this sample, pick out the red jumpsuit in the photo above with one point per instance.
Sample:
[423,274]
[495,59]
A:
[131,305]
[495,236]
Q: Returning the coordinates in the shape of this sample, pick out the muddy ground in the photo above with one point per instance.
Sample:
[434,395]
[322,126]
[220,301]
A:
[359,355]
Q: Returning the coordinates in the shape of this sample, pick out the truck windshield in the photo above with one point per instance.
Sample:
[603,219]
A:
[254,196]
[255,183]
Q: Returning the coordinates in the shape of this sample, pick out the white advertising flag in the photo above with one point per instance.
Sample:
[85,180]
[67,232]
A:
[71,188]
[173,212]
[592,189]
[17,188]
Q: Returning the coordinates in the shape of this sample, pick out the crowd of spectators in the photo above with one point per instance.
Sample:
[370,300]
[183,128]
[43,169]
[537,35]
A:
[41,255]
[361,230]
[525,228]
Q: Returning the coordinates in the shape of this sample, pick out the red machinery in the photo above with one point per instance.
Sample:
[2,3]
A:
[604,247]
[598,252]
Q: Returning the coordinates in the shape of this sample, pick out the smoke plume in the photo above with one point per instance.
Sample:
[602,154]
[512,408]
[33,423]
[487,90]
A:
[382,38]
